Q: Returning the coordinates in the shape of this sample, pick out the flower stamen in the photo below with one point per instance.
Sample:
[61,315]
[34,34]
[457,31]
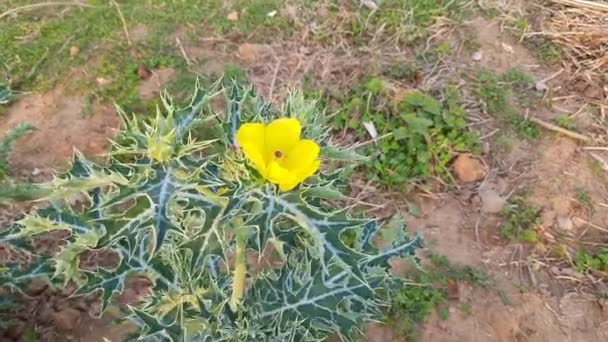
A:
[278,154]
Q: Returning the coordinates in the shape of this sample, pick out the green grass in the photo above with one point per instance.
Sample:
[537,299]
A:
[583,198]
[543,49]
[412,303]
[433,131]
[405,21]
[36,43]
[585,261]
[521,218]
[496,96]
[564,121]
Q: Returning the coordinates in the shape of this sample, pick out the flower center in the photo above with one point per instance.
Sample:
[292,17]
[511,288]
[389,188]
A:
[278,154]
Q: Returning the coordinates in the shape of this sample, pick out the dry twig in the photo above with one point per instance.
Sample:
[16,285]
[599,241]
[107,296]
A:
[44,4]
[561,130]
[122,19]
[183,51]
[579,28]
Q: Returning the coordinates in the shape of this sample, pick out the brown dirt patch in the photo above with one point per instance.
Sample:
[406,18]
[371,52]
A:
[500,50]
[151,87]
[61,126]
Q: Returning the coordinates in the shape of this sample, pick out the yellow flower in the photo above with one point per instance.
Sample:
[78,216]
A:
[277,152]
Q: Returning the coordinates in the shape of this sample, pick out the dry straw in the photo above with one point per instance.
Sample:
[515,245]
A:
[580,29]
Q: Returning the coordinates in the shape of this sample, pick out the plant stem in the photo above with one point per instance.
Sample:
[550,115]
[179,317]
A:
[240,269]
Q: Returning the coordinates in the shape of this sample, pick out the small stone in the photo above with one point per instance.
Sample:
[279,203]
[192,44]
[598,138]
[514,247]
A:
[248,52]
[491,201]
[541,86]
[74,51]
[102,82]
[468,169]
[66,319]
[565,223]
[233,16]
[36,172]
[477,56]
[508,48]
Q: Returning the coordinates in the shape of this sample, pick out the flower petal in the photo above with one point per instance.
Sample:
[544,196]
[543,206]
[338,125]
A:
[301,155]
[281,135]
[277,174]
[250,138]
[288,185]
[298,176]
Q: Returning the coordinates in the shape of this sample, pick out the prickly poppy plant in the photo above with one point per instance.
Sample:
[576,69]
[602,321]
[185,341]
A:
[227,214]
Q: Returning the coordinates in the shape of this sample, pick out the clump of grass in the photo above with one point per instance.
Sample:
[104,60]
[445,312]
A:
[583,198]
[564,121]
[521,221]
[543,49]
[591,261]
[401,72]
[36,44]
[412,303]
[495,94]
[432,130]
[234,72]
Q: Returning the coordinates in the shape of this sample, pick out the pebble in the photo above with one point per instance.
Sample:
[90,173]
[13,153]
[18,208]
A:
[233,16]
[491,201]
[74,51]
[468,169]
[477,56]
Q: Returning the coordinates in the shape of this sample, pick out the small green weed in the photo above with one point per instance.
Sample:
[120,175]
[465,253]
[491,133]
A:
[521,25]
[543,49]
[518,79]
[425,132]
[234,72]
[35,51]
[495,94]
[583,198]
[401,72]
[411,304]
[597,169]
[466,309]
[564,121]
[584,261]
[521,220]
